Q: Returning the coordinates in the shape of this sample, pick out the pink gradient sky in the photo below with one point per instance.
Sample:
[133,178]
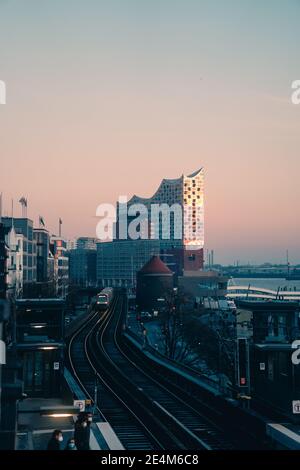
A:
[107,101]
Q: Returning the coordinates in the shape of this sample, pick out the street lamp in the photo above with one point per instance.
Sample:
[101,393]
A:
[58,411]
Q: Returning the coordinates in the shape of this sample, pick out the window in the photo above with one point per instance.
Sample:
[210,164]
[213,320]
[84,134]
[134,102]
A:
[283,363]
[271,367]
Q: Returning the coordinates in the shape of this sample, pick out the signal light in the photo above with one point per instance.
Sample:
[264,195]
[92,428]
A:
[243,358]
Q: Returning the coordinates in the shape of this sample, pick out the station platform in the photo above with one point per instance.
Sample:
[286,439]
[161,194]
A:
[35,429]
[285,435]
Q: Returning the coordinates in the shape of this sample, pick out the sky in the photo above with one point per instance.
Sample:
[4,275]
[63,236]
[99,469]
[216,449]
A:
[106,98]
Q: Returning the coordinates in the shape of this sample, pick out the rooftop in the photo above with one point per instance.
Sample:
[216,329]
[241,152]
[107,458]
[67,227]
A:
[155,266]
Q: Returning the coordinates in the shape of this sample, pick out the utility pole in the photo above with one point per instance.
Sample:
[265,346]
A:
[12,213]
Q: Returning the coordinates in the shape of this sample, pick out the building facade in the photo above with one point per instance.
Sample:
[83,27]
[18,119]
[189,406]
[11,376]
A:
[24,227]
[3,263]
[10,386]
[275,379]
[58,248]
[14,248]
[181,231]
[71,244]
[82,267]
[119,261]
[86,243]
[154,283]
[42,240]
[40,345]
[170,224]
[203,285]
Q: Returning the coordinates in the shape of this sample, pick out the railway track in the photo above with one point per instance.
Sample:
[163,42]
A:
[141,408]
[131,397]
[133,433]
[172,408]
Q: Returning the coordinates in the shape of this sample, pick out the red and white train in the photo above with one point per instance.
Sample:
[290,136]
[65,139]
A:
[104,298]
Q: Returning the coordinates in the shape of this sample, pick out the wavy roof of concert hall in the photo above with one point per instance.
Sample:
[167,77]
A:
[164,182]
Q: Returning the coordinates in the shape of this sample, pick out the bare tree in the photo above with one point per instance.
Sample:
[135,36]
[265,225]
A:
[173,327]
[214,344]
[210,347]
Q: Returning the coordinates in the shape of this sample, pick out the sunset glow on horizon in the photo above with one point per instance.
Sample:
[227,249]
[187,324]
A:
[108,98]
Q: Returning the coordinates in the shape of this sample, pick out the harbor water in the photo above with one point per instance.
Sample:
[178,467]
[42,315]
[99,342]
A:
[267,283]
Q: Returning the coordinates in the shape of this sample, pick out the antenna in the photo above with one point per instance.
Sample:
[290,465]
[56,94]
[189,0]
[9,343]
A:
[12,213]
[0,207]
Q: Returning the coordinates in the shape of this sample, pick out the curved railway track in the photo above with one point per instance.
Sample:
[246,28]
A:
[132,432]
[143,410]
[172,408]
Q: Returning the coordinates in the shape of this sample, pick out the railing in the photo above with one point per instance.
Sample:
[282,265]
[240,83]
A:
[261,293]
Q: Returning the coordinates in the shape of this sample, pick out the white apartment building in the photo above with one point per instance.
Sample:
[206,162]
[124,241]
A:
[14,245]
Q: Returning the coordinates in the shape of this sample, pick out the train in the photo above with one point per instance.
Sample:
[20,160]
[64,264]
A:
[104,298]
